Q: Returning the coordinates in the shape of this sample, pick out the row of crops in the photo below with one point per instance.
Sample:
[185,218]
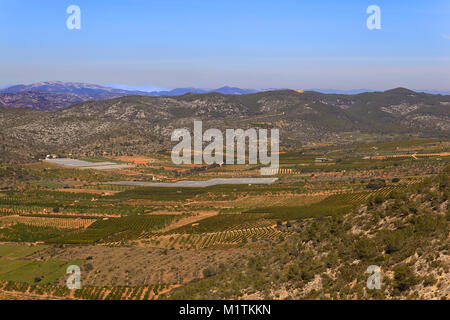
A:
[206,233]
[120,292]
[86,293]
[59,223]
[332,205]
[217,239]
[221,222]
[238,236]
[21,232]
[118,229]
[39,201]
[24,206]
[213,192]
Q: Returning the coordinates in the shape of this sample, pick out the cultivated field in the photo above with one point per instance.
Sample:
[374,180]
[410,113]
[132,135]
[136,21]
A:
[137,242]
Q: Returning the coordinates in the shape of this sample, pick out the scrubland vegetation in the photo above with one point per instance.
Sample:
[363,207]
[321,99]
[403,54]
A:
[405,233]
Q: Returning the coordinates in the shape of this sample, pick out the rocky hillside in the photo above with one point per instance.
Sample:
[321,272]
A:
[398,110]
[140,124]
[405,234]
[55,95]
[51,96]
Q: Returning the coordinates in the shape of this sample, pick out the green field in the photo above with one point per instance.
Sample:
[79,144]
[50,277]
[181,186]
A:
[18,251]
[16,266]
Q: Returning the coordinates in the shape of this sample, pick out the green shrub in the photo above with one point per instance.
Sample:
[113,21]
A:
[404,278]
[376,184]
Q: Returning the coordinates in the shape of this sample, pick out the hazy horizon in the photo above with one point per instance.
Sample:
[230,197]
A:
[150,88]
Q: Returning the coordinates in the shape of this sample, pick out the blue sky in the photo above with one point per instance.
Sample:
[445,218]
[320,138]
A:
[252,44]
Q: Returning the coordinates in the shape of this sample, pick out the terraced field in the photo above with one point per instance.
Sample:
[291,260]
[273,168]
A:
[137,243]
[59,223]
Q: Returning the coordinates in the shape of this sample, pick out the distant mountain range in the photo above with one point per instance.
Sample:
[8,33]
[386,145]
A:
[51,96]
[65,87]
[127,87]
[223,90]
[55,95]
[90,89]
[144,124]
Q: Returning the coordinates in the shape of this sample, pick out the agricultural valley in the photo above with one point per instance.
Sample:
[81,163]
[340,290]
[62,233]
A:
[363,180]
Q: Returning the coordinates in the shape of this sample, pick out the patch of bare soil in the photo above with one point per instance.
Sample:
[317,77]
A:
[135,159]
[137,266]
